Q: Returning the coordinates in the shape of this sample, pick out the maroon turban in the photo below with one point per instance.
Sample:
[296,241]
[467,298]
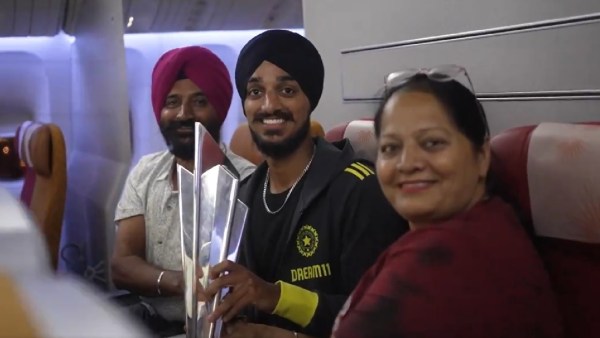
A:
[202,67]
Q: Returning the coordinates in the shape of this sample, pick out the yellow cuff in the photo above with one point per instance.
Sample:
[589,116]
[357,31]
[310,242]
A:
[296,304]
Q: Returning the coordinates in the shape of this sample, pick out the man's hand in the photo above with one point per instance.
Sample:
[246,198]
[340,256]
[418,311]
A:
[246,289]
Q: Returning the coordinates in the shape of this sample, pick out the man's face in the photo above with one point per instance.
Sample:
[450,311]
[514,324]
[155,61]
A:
[186,104]
[277,110]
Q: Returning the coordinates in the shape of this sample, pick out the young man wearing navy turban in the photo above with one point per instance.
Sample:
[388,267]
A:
[189,85]
[318,218]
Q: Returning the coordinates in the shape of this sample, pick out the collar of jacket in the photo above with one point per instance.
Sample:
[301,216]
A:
[330,159]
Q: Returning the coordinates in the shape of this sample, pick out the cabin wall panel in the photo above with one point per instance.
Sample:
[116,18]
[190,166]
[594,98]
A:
[99,162]
[23,90]
[502,115]
[37,73]
[336,25]
[522,61]
[145,134]
[59,88]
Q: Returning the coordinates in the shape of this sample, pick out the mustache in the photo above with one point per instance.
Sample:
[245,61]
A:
[278,114]
[172,126]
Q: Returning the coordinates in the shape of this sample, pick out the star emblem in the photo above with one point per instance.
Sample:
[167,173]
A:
[306,240]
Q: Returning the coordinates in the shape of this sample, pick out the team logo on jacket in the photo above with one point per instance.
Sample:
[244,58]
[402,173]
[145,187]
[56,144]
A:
[307,240]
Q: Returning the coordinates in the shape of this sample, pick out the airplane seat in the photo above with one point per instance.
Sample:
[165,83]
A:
[242,144]
[360,133]
[550,173]
[316,129]
[41,147]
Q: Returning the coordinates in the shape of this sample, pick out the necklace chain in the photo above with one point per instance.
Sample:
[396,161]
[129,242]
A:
[273,212]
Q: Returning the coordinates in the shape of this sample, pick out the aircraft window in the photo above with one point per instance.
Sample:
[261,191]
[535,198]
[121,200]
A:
[11,167]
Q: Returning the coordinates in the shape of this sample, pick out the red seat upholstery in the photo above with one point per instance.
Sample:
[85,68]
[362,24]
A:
[552,174]
[42,148]
[361,135]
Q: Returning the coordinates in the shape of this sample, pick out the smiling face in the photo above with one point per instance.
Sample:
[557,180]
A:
[427,168]
[186,104]
[277,110]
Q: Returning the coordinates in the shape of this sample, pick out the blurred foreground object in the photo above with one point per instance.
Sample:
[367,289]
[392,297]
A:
[37,303]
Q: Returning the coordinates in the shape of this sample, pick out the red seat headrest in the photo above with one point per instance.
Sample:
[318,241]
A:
[34,147]
[552,172]
[361,135]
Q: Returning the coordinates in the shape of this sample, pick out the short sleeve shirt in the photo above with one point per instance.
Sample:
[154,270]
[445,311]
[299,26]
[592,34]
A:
[148,191]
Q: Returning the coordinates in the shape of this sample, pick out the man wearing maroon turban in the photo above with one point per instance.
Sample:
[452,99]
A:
[189,85]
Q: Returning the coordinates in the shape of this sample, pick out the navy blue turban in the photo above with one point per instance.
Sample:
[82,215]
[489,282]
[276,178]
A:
[289,51]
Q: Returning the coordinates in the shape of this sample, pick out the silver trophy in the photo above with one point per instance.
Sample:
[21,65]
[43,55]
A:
[212,222]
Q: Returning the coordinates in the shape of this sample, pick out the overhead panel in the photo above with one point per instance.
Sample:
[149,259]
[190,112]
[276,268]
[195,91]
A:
[142,14]
[31,17]
[47,17]
[23,14]
[264,14]
[216,17]
[7,17]
[204,14]
[285,14]
[178,15]
[73,8]
[248,14]
[163,14]
[145,16]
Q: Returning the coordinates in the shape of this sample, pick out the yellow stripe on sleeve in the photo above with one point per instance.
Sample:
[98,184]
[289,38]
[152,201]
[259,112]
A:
[15,321]
[364,166]
[365,171]
[296,304]
[355,173]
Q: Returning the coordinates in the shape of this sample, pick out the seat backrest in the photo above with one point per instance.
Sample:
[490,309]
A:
[551,172]
[42,148]
[360,133]
[243,145]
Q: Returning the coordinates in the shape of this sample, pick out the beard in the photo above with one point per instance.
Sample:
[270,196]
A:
[184,147]
[283,148]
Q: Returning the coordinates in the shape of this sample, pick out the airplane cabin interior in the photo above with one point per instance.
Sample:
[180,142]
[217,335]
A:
[76,116]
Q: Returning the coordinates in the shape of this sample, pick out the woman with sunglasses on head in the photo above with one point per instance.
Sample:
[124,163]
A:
[467,268]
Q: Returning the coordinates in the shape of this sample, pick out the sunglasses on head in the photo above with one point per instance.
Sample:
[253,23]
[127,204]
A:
[442,73]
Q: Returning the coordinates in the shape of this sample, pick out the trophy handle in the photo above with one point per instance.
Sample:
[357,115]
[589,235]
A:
[186,220]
